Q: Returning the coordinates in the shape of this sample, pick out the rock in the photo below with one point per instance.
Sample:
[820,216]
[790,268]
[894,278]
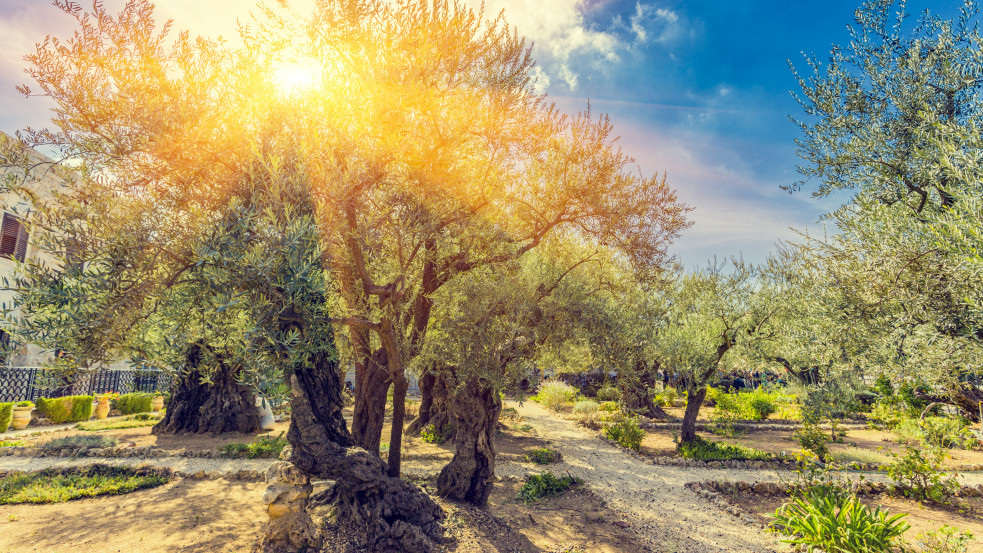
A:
[290,527]
[758,465]
[761,487]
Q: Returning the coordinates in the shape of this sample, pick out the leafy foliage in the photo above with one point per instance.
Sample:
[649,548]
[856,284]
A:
[136,402]
[706,450]
[6,415]
[839,524]
[130,421]
[56,485]
[431,435]
[261,447]
[66,409]
[544,456]
[947,539]
[555,394]
[626,433]
[544,486]
[814,439]
[608,393]
[920,474]
[77,442]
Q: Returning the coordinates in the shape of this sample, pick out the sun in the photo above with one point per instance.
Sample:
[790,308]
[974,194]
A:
[296,76]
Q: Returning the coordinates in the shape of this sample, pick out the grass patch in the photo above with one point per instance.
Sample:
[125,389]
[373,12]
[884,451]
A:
[57,485]
[129,421]
[857,455]
[76,442]
[704,450]
[262,446]
[544,456]
[12,443]
[545,485]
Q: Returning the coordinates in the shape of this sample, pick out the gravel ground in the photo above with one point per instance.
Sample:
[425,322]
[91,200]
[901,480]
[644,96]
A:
[667,517]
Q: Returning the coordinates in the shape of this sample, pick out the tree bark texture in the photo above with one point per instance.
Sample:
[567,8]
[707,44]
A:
[694,401]
[426,382]
[437,411]
[636,393]
[218,407]
[469,476]
[372,380]
[394,515]
[966,398]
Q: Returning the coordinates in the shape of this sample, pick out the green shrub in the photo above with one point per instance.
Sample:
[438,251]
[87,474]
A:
[838,524]
[586,407]
[66,409]
[923,477]
[609,406]
[130,421]
[608,393]
[814,439]
[262,446]
[665,398]
[627,433]
[554,394]
[754,405]
[946,432]
[705,450]
[77,442]
[944,540]
[544,456]
[6,415]
[12,443]
[545,485]
[136,402]
[888,415]
[430,435]
[55,485]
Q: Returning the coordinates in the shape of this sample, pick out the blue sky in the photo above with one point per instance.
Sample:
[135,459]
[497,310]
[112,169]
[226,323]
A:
[697,89]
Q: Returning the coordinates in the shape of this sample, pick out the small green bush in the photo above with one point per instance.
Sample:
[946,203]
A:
[665,398]
[136,402]
[130,421]
[554,394]
[586,407]
[6,415]
[705,450]
[77,442]
[814,439]
[432,436]
[261,447]
[755,405]
[608,393]
[12,443]
[923,477]
[838,524]
[66,409]
[55,485]
[544,456]
[947,539]
[545,485]
[627,433]
[609,406]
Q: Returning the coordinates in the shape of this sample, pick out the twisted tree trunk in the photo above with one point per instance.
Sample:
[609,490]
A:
[396,516]
[687,432]
[434,408]
[372,380]
[221,406]
[469,476]
[636,393]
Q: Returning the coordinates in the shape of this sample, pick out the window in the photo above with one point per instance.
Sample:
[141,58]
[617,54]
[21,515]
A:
[13,238]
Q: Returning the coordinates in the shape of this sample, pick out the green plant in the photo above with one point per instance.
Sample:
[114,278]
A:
[24,404]
[921,476]
[6,415]
[946,432]
[136,402]
[545,485]
[544,456]
[79,442]
[524,428]
[12,443]
[627,433]
[66,409]
[705,450]
[887,414]
[822,478]
[56,485]
[130,421]
[586,407]
[262,446]
[431,436]
[609,406]
[554,394]
[947,539]
[812,438]
[857,455]
[838,524]
[608,393]
[665,398]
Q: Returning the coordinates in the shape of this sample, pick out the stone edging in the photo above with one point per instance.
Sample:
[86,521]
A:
[117,452]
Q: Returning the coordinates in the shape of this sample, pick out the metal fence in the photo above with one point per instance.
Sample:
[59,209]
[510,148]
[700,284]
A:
[30,383]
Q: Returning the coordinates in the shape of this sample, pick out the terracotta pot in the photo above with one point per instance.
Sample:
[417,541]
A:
[102,408]
[22,417]
[157,404]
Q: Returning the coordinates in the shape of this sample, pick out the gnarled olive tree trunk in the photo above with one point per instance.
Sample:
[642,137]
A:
[372,380]
[475,408]
[636,393]
[694,400]
[222,405]
[435,388]
[395,516]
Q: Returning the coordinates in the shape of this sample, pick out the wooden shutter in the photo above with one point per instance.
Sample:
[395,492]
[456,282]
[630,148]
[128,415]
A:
[9,235]
[21,252]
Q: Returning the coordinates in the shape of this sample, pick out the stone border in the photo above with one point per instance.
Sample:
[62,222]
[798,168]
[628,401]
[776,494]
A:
[119,452]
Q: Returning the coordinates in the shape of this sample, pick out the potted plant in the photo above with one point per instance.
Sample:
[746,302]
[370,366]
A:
[102,406]
[157,404]
[22,415]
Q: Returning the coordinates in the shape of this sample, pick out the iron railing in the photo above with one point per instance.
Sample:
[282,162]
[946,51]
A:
[30,383]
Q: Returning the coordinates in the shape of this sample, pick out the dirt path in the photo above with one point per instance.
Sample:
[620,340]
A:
[666,515]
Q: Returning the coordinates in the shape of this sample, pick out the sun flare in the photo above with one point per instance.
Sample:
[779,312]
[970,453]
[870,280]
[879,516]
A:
[296,76]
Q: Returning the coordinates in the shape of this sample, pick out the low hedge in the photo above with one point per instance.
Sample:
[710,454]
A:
[6,414]
[66,409]
[136,402]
